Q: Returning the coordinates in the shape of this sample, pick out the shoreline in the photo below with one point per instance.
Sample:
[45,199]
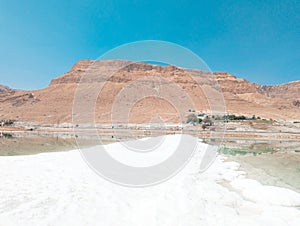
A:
[144,131]
[278,169]
[240,150]
[59,189]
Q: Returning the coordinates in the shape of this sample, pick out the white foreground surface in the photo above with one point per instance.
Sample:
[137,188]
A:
[60,189]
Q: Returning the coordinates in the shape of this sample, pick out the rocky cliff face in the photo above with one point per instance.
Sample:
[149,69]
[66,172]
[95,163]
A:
[235,85]
[53,105]
[74,75]
[287,91]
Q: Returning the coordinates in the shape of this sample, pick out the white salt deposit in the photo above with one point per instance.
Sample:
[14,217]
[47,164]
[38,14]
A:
[60,189]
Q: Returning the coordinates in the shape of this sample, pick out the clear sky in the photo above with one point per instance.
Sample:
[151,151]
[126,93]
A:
[254,39]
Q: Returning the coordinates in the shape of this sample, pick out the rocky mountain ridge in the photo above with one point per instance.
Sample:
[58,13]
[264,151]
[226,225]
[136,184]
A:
[53,105]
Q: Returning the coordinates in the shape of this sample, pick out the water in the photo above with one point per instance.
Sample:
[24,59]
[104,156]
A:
[275,163]
[60,189]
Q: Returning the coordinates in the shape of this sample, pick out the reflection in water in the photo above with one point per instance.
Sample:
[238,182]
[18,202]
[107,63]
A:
[274,163]
[270,162]
[30,143]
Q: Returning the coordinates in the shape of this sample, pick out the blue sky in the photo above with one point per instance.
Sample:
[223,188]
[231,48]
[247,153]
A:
[256,40]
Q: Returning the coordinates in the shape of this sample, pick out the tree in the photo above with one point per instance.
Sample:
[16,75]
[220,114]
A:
[8,122]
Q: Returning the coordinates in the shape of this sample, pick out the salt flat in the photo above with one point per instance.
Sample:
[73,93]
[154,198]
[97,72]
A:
[60,189]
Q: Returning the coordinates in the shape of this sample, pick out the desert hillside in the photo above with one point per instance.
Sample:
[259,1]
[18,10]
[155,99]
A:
[54,104]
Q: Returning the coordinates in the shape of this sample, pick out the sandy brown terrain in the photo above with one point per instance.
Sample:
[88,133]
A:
[53,105]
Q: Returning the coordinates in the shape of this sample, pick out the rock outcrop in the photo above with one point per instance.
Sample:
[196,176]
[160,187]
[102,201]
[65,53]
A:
[54,104]
[4,89]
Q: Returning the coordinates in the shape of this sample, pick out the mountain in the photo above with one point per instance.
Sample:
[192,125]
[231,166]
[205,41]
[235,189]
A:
[4,89]
[54,104]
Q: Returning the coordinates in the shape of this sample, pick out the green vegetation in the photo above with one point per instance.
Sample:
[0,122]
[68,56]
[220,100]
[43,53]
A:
[6,135]
[234,117]
[7,122]
[201,119]
[236,151]
[208,120]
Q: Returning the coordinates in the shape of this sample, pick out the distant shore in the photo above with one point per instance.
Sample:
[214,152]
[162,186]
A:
[142,131]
